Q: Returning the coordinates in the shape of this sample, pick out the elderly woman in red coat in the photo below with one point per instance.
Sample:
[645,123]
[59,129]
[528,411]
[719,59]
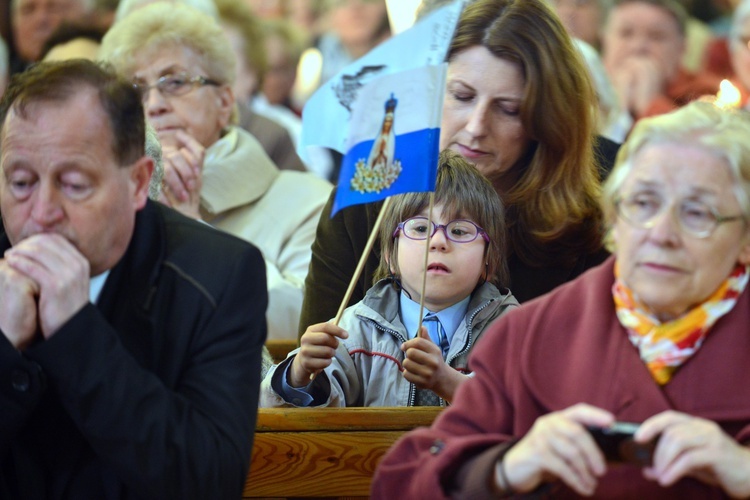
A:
[658,335]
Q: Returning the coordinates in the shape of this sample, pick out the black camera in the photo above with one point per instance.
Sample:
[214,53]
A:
[618,446]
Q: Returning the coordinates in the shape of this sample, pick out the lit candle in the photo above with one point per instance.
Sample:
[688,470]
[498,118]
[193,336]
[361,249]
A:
[728,96]
[309,69]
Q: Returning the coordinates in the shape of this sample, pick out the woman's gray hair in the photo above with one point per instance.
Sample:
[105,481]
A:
[153,151]
[724,132]
[162,24]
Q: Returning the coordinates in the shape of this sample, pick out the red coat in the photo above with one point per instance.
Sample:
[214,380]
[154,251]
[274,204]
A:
[561,349]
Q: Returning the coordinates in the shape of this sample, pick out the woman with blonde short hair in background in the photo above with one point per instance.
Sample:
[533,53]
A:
[215,171]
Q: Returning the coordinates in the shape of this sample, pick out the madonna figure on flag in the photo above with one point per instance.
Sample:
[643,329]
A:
[382,168]
[384,147]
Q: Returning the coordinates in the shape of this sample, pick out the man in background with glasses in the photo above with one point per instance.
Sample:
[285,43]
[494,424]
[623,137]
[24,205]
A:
[643,46]
[377,356]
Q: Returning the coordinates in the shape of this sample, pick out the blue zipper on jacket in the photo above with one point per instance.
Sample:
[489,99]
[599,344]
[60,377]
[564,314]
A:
[469,328]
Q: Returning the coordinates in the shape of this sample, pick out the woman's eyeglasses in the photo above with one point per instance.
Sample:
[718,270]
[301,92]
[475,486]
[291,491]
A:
[174,85]
[694,217]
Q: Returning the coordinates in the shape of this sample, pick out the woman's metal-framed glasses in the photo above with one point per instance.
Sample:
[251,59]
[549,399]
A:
[694,217]
[459,230]
[174,85]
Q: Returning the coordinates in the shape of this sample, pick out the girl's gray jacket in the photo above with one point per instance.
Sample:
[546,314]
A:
[366,370]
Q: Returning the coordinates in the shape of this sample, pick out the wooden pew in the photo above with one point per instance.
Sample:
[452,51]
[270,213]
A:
[280,348]
[325,452]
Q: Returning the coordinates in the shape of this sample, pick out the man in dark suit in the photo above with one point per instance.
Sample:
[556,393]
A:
[130,336]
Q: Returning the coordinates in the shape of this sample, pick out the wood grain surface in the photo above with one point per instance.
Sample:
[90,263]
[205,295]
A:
[325,452]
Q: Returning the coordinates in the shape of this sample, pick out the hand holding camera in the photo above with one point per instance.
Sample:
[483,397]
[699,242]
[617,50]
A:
[618,445]
[576,446]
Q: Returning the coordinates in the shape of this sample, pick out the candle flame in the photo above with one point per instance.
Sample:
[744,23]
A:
[728,96]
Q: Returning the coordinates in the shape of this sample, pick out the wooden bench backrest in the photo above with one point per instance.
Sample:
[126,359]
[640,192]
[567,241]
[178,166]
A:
[280,348]
[325,452]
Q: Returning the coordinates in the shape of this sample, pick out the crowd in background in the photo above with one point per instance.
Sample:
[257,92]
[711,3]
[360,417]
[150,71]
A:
[295,45]
[286,48]
[534,119]
[270,39]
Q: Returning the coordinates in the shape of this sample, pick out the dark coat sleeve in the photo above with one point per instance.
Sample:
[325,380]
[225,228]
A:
[339,242]
[22,384]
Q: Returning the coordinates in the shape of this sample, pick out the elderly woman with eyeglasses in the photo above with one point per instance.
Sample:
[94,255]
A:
[657,336]
[215,171]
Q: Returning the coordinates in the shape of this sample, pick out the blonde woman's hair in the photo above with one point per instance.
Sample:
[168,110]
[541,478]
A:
[169,24]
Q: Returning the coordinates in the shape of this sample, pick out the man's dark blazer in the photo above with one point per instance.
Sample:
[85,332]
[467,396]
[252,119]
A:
[153,392]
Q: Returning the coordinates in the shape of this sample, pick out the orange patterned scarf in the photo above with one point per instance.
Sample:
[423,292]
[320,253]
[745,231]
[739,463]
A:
[665,346]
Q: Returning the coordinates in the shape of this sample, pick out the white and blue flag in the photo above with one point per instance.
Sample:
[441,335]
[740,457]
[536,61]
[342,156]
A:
[383,113]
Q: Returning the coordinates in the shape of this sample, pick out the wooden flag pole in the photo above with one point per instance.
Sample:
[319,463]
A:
[360,266]
[426,258]
[362,261]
